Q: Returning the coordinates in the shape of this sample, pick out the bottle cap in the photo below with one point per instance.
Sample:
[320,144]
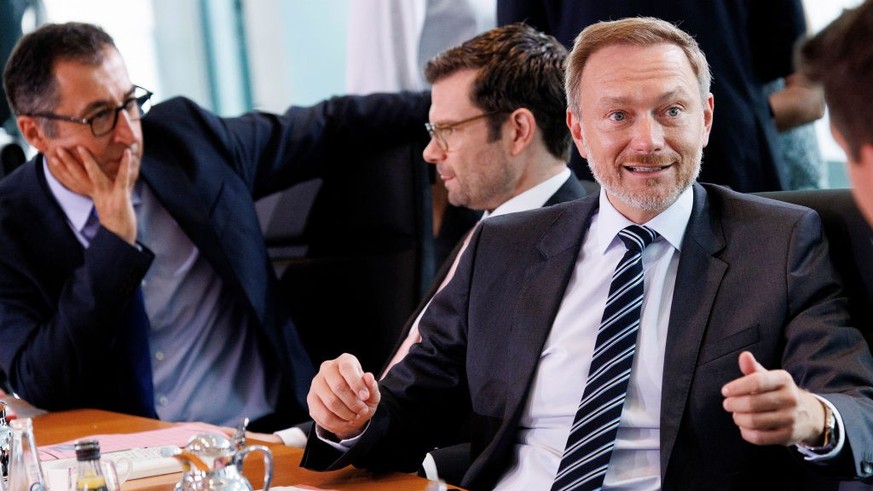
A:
[87,450]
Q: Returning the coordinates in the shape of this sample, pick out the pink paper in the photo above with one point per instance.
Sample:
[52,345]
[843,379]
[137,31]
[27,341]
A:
[177,435]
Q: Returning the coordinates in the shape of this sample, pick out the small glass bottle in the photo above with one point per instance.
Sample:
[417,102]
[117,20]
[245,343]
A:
[25,471]
[89,472]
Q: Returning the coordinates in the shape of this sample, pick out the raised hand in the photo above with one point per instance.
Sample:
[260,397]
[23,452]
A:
[81,173]
[342,398]
[770,409]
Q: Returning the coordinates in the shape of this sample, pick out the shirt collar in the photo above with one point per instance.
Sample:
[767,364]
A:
[533,198]
[670,223]
[76,207]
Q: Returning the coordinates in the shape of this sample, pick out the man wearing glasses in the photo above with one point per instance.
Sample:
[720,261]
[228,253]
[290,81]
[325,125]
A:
[135,278]
[498,138]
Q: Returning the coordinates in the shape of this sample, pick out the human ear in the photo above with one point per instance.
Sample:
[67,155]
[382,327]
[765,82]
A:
[32,131]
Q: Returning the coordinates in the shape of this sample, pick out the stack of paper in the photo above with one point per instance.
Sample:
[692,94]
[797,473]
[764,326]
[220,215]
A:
[141,451]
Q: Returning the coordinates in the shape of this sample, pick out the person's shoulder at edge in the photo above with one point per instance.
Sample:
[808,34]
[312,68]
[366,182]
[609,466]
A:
[538,215]
[727,195]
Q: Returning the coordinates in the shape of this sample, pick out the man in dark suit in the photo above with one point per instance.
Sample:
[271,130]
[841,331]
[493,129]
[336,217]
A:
[747,44]
[511,160]
[508,79]
[746,372]
[134,277]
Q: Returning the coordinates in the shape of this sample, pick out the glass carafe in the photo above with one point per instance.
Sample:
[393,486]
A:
[25,471]
[5,444]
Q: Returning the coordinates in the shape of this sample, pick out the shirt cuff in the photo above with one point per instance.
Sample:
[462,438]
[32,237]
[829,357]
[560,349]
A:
[342,445]
[292,437]
[812,455]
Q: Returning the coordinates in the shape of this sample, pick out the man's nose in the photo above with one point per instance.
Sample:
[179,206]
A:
[433,153]
[648,135]
[123,131]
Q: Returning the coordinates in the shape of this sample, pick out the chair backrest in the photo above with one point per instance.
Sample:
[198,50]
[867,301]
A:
[11,156]
[354,251]
[851,246]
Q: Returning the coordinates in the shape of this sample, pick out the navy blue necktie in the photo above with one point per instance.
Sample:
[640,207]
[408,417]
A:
[592,437]
[133,340]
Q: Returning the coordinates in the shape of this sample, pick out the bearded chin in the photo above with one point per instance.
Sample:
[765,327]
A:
[654,198]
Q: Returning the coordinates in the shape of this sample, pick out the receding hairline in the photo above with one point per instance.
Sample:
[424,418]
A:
[632,31]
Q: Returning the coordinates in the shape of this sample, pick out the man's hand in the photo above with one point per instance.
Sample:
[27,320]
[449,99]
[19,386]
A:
[342,398]
[112,198]
[770,409]
[800,102]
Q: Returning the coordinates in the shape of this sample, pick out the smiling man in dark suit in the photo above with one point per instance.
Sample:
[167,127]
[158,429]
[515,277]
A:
[133,272]
[741,369]
[747,44]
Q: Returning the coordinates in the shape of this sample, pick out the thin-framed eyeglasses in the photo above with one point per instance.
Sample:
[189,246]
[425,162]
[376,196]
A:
[104,121]
[438,132]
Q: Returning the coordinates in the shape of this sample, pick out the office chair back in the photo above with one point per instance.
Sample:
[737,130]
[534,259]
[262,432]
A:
[850,239]
[354,251]
[11,157]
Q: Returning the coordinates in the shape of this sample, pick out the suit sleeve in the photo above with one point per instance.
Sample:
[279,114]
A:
[271,152]
[824,353]
[54,341]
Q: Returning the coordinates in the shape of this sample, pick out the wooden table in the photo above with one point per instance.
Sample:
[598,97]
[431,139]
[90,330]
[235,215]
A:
[57,427]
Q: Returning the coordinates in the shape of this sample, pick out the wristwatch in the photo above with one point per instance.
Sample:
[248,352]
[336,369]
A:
[829,442]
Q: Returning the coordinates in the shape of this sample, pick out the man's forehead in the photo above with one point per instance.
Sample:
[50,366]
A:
[637,58]
[83,84]
[609,67]
[451,97]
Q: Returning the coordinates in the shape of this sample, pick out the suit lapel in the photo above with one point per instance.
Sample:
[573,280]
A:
[176,192]
[541,294]
[570,190]
[697,281]
[62,252]
[536,305]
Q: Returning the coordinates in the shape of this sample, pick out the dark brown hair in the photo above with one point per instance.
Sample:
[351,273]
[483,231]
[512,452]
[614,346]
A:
[840,57]
[519,67]
[29,78]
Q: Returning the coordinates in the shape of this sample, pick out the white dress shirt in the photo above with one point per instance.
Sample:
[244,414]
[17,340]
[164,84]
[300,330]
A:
[551,407]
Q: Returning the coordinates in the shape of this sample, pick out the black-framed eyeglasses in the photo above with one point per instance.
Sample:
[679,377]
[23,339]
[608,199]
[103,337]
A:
[438,132]
[104,121]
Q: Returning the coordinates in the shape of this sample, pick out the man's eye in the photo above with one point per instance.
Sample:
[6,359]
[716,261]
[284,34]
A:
[674,111]
[102,115]
[618,116]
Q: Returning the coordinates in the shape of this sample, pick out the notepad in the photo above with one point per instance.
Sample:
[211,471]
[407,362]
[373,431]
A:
[144,462]
[142,449]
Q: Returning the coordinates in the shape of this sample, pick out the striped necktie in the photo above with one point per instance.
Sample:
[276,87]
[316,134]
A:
[592,436]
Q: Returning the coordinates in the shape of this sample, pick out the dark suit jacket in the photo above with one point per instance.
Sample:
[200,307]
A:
[61,307]
[753,274]
[747,43]
[570,190]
